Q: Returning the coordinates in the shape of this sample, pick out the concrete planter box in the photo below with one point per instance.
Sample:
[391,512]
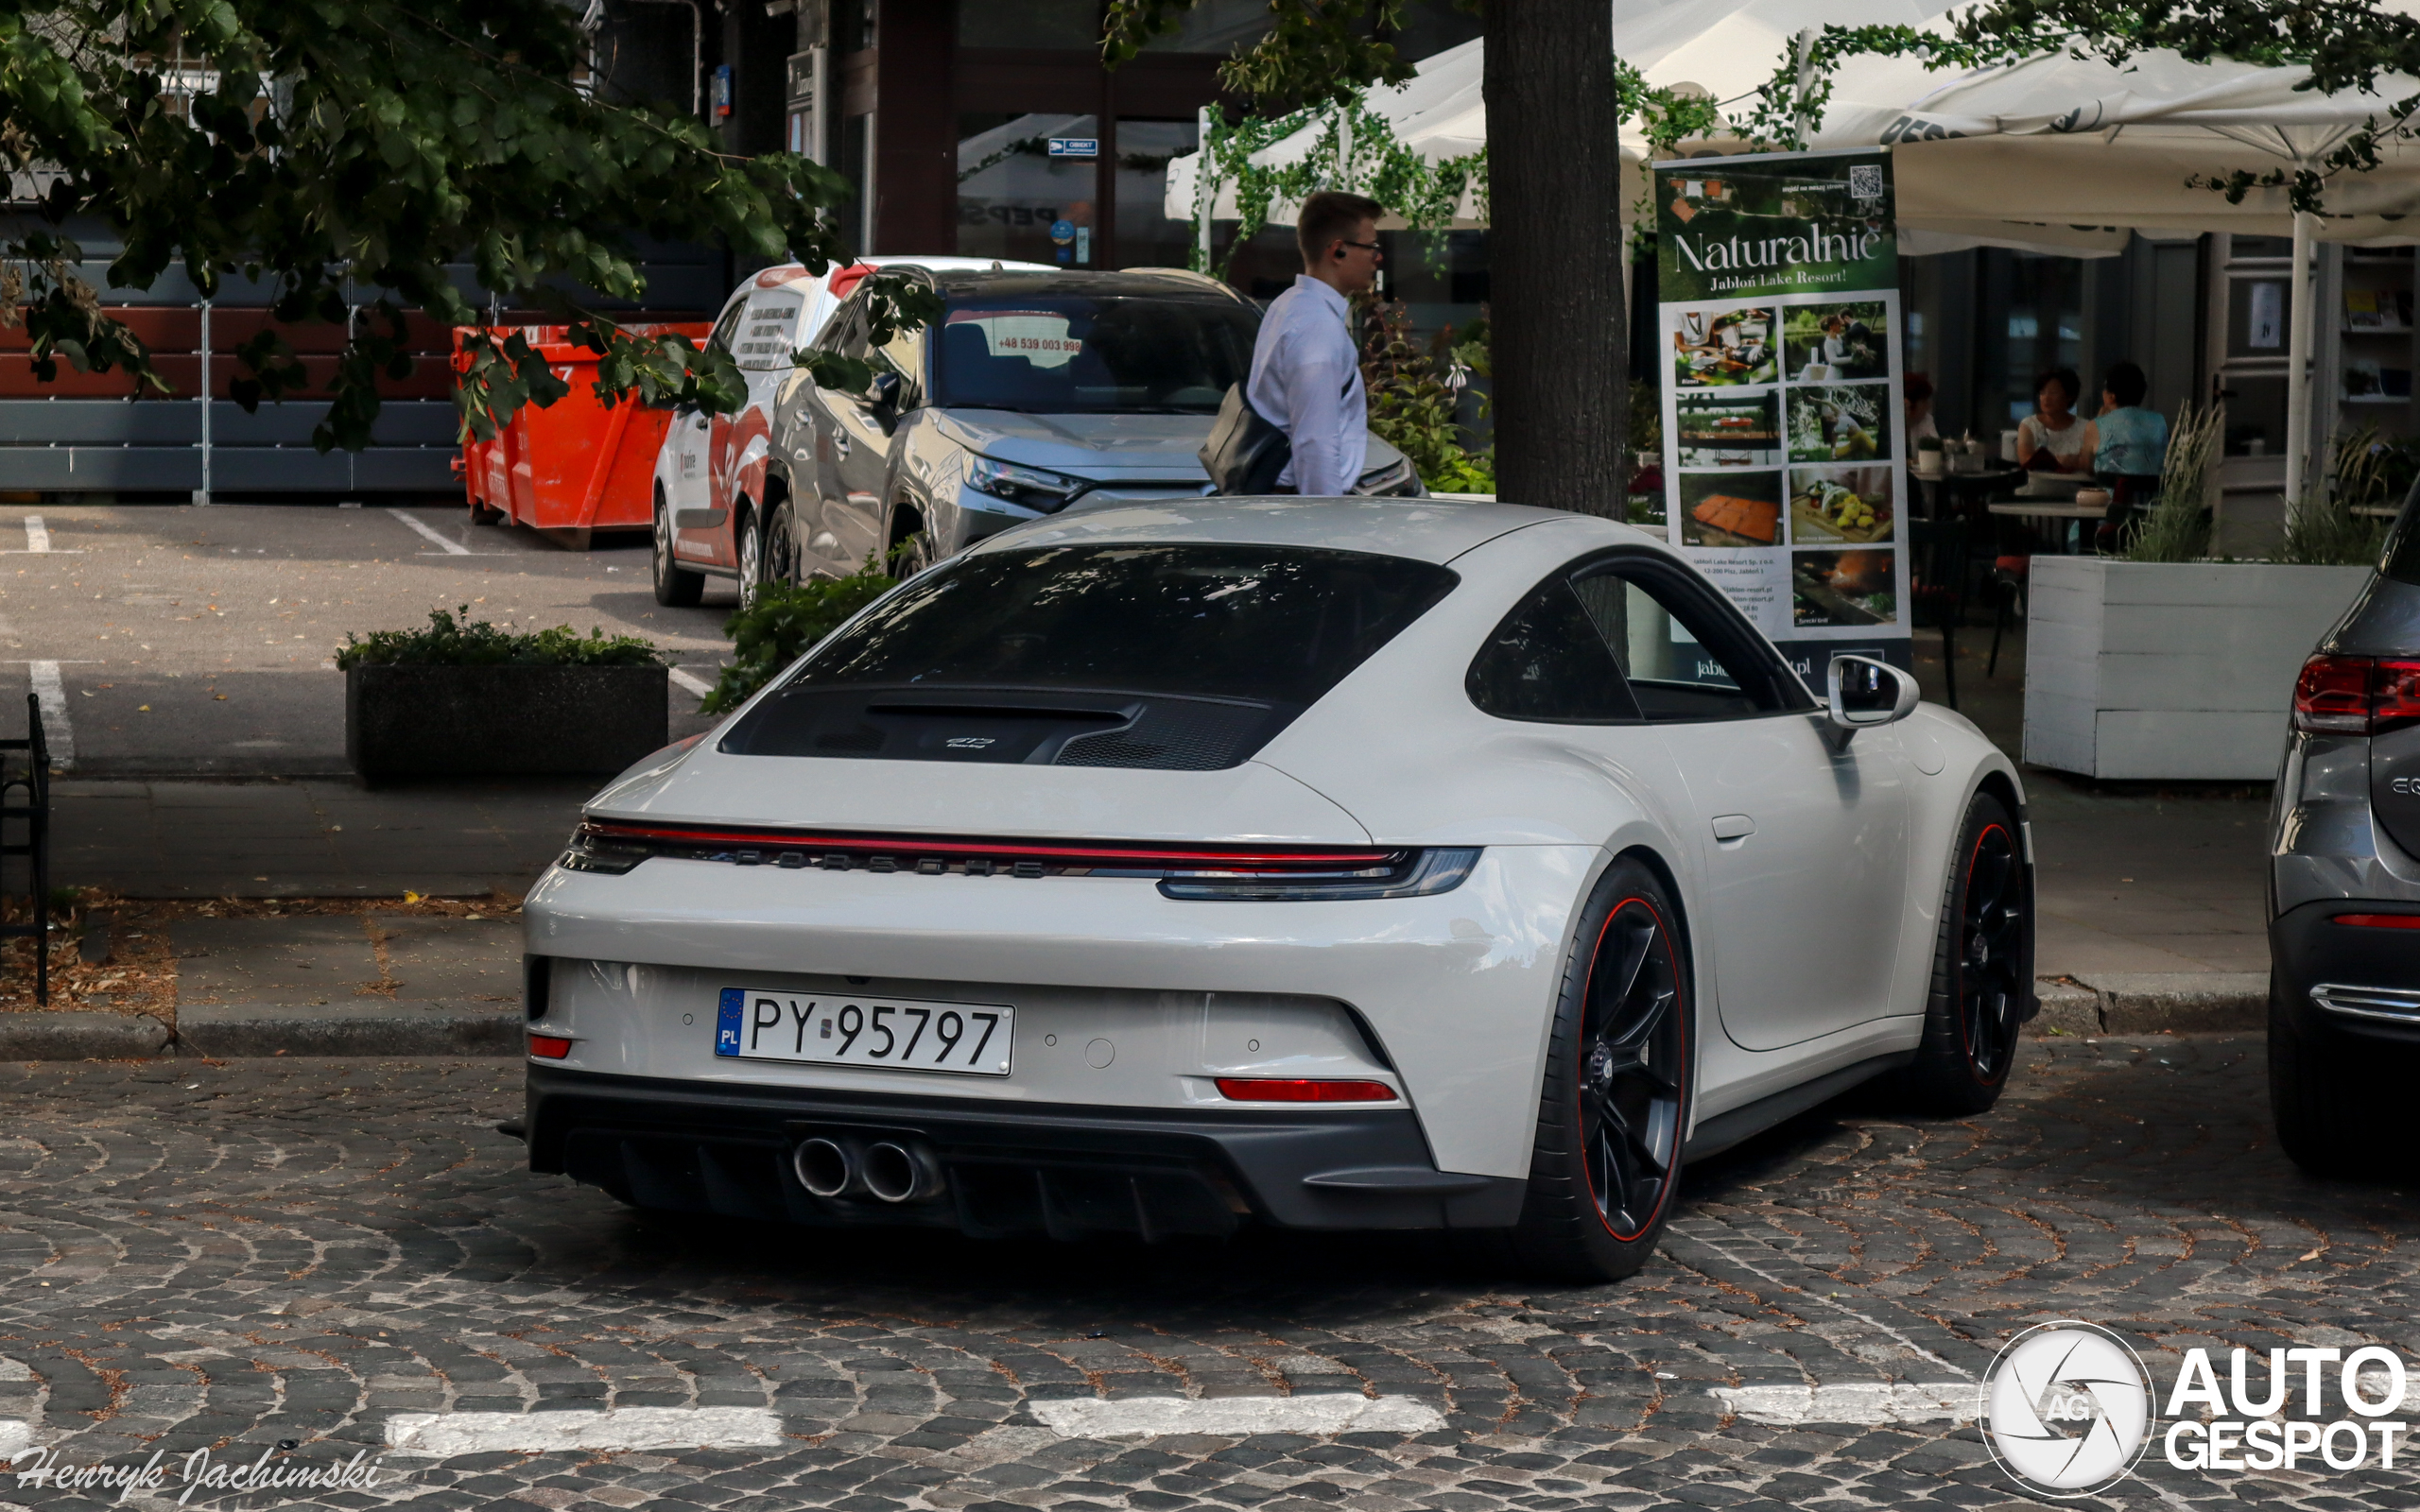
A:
[482,721]
[2169,669]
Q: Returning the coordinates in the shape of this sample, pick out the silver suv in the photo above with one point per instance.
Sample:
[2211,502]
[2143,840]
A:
[1033,393]
[2344,882]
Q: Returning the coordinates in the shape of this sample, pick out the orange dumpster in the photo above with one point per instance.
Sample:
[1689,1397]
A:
[575,466]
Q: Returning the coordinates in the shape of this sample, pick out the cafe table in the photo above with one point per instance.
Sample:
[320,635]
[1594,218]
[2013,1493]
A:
[2038,510]
[1958,489]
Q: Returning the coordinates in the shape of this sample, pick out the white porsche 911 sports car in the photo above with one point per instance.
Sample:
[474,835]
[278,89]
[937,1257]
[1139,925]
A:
[1329,864]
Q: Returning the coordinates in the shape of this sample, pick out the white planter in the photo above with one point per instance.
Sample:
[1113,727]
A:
[2169,669]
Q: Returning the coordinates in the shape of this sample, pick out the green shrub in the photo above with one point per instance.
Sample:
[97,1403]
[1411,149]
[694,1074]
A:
[452,642]
[2177,526]
[778,628]
[1413,408]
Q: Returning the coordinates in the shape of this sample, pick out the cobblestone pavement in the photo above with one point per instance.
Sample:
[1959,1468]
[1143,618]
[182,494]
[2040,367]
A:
[242,1254]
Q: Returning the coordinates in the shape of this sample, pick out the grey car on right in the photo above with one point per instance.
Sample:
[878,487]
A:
[2344,882]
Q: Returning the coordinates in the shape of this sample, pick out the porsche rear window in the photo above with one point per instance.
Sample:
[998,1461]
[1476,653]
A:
[1274,624]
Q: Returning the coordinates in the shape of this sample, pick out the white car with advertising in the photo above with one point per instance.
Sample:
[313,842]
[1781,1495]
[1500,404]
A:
[717,509]
[1327,864]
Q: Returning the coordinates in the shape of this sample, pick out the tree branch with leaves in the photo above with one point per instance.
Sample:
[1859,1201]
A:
[328,150]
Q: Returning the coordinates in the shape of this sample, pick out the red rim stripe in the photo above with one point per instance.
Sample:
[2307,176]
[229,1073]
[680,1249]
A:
[1027,849]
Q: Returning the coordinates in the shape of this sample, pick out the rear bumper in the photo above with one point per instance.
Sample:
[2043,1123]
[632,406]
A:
[1062,1170]
[2364,982]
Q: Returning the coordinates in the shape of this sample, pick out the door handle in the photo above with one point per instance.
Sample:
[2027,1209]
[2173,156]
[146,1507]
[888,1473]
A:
[840,440]
[1729,827]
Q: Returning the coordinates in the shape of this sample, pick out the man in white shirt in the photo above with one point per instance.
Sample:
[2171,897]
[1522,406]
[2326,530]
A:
[1306,366]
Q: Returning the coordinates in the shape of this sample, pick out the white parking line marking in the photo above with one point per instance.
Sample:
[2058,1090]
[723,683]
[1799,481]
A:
[1869,1402]
[452,548]
[1089,1418]
[52,695]
[38,541]
[616,1428]
[690,680]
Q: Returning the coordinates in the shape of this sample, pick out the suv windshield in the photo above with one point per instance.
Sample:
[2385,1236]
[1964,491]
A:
[1075,353]
[1177,656]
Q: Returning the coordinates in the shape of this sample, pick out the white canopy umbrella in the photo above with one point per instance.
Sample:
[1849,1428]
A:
[2094,145]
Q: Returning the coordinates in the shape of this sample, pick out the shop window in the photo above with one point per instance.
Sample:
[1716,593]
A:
[1057,24]
[1019,202]
[1148,234]
[1428,28]
[1215,26]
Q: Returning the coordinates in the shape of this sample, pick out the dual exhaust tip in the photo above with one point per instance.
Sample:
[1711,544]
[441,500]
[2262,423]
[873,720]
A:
[885,1170]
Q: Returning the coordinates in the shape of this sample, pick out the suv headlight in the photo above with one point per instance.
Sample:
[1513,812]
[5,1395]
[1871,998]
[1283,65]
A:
[1028,486]
[1397,480]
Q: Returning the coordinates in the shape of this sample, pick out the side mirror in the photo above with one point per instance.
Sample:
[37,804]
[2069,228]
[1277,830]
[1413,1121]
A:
[887,388]
[1863,691]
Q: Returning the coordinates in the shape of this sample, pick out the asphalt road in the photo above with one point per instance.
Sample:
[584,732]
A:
[235,1256]
[182,641]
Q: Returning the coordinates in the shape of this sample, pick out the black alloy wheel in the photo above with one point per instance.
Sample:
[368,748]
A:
[1991,925]
[780,552]
[1982,971]
[909,555]
[1633,1058]
[1613,1116]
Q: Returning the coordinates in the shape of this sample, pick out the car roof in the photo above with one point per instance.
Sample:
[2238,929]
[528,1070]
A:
[796,273]
[1433,530]
[1138,284]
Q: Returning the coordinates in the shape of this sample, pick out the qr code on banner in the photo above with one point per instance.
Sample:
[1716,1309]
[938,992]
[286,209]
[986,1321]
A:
[1865,180]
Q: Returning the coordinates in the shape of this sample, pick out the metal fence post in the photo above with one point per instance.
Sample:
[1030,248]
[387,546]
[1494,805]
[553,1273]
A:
[202,495]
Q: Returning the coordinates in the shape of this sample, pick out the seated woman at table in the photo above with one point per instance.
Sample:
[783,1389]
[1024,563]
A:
[2133,444]
[2132,439]
[2054,438]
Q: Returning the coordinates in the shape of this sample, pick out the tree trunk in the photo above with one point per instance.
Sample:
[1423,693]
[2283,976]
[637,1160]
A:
[1560,345]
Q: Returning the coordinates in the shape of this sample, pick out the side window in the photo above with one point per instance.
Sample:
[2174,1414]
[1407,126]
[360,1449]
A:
[764,335]
[844,332]
[726,329]
[1684,651]
[1548,663]
[904,354]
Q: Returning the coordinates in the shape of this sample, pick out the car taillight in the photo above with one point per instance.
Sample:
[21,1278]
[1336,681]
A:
[549,1047]
[1268,1089]
[2355,694]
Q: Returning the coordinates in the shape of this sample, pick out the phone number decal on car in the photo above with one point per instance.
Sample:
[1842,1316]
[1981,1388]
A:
[884,1034]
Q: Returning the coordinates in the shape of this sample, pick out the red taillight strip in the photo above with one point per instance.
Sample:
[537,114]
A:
[1012,849]
[2379,920]
[1292,1090]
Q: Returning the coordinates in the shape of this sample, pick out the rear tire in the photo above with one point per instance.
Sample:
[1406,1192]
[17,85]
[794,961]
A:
[1982,972]
[1606,1166]
[2335,1098]
[748,534]
[781,549]
[675,585]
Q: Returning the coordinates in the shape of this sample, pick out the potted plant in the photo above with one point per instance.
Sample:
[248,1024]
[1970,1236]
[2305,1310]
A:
[462,698]
[1929,456]
[2159,663]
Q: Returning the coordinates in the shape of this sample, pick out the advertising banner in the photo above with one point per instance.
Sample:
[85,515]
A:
[1785,458]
